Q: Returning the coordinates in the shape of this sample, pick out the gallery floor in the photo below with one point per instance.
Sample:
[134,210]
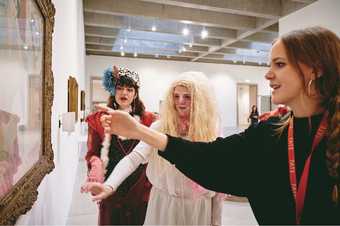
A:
[84,212]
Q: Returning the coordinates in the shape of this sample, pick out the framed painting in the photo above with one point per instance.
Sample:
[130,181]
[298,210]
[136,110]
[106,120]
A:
[82,100]
[73,96]
[26,98]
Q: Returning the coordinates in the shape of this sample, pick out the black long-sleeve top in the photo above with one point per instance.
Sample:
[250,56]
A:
[254,164]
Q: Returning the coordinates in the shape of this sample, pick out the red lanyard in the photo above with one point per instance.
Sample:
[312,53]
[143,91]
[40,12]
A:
[300,192]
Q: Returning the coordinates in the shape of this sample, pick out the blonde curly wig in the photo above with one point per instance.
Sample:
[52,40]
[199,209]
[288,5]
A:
[203,112]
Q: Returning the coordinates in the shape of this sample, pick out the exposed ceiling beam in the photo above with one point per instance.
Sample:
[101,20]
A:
[112,21]
[168,12]
[260,26]
[223,61]
[111,39]
[269,9]
[289,6]
[186,55]
[274,29]
[108,47]
[304,1]
[241,44]
[261,37]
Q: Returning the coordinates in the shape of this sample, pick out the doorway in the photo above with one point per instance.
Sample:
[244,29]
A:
[246,97]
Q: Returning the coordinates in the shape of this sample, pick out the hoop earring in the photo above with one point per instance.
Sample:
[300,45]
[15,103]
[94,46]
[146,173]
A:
[309,87]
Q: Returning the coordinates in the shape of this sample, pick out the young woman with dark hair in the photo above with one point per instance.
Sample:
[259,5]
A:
[128,205]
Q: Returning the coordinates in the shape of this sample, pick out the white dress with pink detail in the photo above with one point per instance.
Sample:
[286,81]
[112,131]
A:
[174,199]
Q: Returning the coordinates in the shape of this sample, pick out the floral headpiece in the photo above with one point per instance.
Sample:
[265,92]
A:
[112,75]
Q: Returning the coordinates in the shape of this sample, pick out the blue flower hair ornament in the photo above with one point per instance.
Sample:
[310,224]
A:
[111,75]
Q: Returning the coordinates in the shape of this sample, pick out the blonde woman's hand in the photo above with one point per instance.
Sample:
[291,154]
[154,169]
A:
[99,191]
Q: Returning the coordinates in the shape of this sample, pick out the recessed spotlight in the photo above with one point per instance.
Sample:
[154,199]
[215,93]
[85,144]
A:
[185,31]
[204,33]
[153,28]
[125,40]
[128,29]
[122,53]
[25,47]
[247,80]
[135,54]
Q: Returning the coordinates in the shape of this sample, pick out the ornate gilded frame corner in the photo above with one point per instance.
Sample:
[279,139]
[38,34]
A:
[24,193]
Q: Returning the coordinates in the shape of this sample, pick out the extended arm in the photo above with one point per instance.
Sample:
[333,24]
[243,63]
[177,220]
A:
[223,165]
[217,205]
[123,169]
[128,165]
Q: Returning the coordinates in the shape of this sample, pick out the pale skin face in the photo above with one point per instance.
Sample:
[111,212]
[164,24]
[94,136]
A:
[182,100]
[124,96]
[287,86]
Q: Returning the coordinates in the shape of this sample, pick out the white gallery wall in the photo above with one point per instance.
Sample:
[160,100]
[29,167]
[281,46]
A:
[324,13]
[68,57]
[156,76]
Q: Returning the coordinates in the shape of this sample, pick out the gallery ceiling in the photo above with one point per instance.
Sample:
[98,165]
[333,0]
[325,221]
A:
[211,31]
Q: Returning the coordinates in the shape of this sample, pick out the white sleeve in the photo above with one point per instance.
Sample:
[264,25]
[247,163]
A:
[217,205]
[123,169]
[127,165]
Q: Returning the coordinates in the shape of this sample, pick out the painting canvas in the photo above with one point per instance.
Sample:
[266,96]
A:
[73,96]
[25,103]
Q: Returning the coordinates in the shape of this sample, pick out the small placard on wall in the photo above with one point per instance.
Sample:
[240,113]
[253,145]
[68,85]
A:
[68,121]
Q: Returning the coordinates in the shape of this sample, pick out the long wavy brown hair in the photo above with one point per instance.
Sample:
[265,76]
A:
[319,49]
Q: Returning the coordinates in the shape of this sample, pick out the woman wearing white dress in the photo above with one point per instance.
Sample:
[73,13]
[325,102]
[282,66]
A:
[189,111]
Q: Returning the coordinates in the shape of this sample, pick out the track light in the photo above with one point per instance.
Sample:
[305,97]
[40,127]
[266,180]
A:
[153,28]
[204,33]
[185,31]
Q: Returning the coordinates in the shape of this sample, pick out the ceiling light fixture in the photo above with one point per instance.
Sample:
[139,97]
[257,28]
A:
[135,54]
[185,31]
[153,28]
[204,33]
[122,53]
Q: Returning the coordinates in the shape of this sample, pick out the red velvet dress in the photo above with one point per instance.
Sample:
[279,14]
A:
[127,206]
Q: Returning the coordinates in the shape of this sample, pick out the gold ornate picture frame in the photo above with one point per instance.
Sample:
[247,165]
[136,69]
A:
[28,34]
[72,93]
